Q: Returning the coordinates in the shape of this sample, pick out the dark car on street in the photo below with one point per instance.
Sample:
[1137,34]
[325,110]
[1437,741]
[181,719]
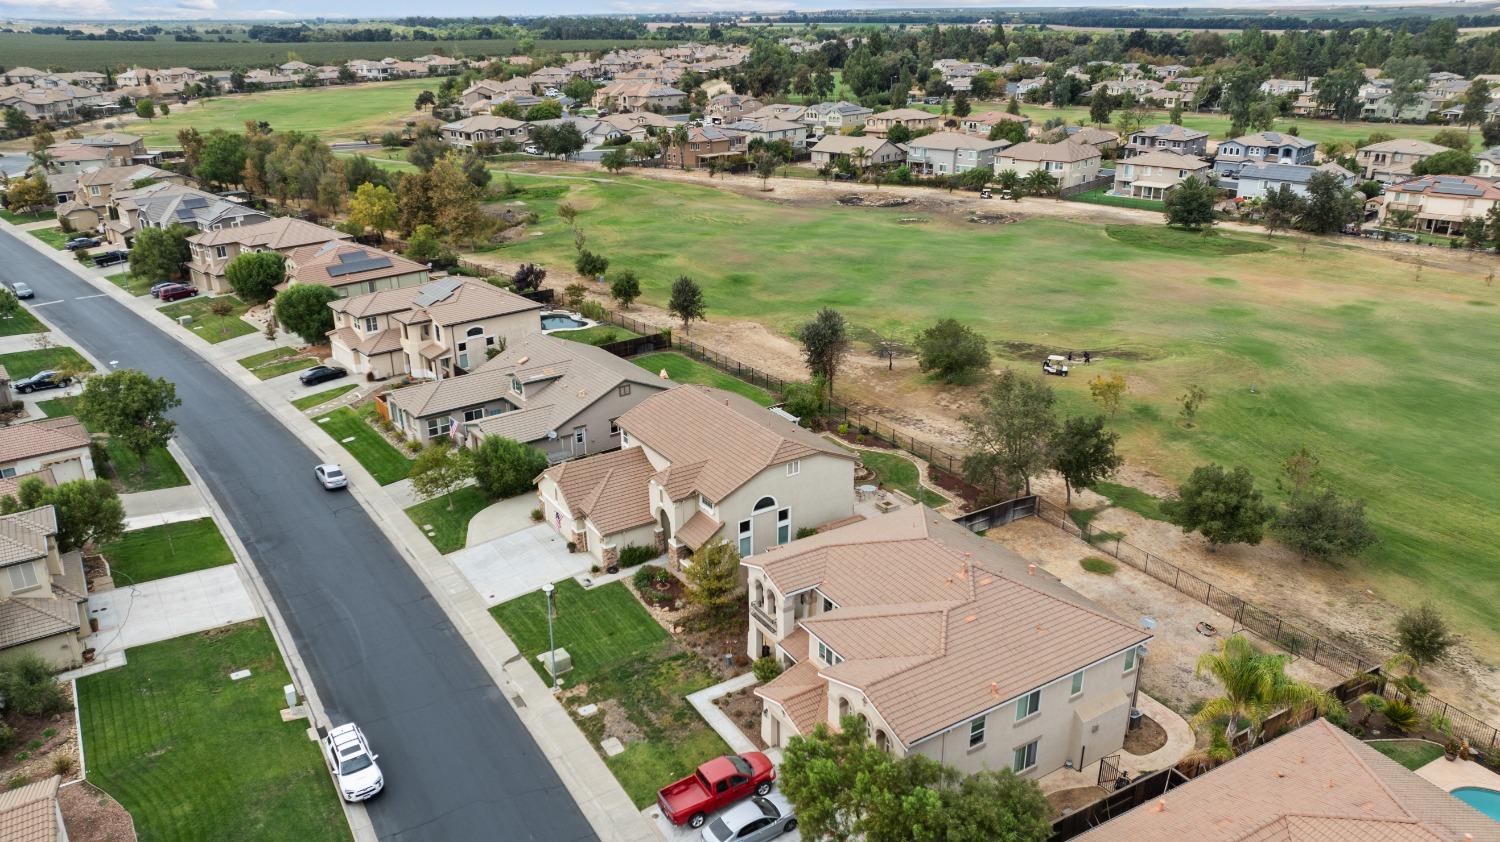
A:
[321,374]
[176,291]
[41,380]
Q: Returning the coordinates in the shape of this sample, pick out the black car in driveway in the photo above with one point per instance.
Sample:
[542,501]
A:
[81,243]
[41,380]
[110,258]
[321,374]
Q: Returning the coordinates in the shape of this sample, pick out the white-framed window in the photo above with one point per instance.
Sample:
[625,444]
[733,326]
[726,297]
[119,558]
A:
[438,426]
[614,426]
[1025,757]
[23,576]
[372,324]
[515,385]
[976,732]
[828,656]
[746,545]
[624,438]
[1028,704]
[623,390]
[783,526]
[1076,686]
[1129,659]
[794,467]
[474,331]
[580,435]
[473,414]
[705,504]
[221,252]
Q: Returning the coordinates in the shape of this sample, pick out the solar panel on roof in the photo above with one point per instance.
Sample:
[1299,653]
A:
[361,263]
[1460,189]
[194,202]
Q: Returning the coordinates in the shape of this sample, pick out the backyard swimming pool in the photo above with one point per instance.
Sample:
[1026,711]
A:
[562,321]
[1486,801]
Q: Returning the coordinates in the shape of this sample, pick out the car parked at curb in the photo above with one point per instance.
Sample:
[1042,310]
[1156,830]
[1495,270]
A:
[41,380]
[331,476]
[715,785]
[20,290]
[757,819]
[321,374]
[349,758]
[177,291]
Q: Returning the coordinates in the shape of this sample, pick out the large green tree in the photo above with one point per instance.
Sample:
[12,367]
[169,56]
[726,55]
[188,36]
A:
[951,351]
[1190,204]
[441,469]
[131,406]
[221,158]
[253,275]
[303,310]
[505,467]
[1224,506]
[1330,204]
[88,510]
[1253,686]
[1010,435]
[825,344]
[686,302]
[160,253]
[713,576]
[1083,452]
[1322,525]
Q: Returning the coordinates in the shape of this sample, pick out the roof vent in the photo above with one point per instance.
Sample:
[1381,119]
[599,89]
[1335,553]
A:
[1160,806]
[971,618]
[523,360]
[995,689]
[1031,570]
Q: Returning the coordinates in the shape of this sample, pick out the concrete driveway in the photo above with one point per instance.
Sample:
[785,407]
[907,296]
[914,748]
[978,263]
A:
[519,563]
[133,615]
[673,833]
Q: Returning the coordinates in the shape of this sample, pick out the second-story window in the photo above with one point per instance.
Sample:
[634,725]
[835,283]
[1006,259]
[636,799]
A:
[1028,705]
[372,324]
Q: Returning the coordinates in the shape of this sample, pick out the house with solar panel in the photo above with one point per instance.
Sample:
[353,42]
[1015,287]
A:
[1441,203]
[352,269]
[1263,147]
[165,205]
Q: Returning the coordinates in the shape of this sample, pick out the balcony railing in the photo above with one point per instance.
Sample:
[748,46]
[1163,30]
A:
[763,618]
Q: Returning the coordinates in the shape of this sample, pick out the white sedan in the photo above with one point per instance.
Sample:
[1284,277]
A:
[331,476]
[352,763]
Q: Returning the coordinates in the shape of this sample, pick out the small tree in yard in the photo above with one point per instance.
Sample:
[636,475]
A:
[1223,506]
[440,469]
[1321,525]
[131,407]
[575,294]
[253,275]
[88,510]
[1108,391]
[1422,635]
[713,578]
[505,467]
[10,306]
[825,344]
[528,277]
[686,302]
[952,352]
[591,265]
[1190,204]
[1191,401]
[1083,452]
[765,167]
[1009,436]
[303,310]
[625,288]
[159,253]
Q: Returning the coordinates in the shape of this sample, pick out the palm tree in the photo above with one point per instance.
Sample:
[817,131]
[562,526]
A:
[1040,183]
[1010,182]
[1255,685]
[680,140]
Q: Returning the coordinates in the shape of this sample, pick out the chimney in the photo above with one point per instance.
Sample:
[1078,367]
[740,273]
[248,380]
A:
[1031,570]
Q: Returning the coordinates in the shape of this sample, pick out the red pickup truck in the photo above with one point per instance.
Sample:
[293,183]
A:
[717,783]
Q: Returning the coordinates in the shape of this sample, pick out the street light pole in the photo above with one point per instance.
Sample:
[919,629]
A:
[551,646]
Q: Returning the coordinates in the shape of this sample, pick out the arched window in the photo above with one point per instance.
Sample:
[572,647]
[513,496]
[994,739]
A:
[764,504]
[843,708]
[474,331]
[760,594]
[882,742]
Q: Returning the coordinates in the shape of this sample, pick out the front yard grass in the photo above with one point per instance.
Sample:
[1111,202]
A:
[688,370]
[626,659]
[319,398]
[21,322]
[131,283]
[1413,754]
[23,218]
[450,527]
[276,362]
[21,364]
[1102,196]
[209,326]
[899,473]
[366,445]
[597,335]
[193,754]
[157,552]
[54,237]
[161,471]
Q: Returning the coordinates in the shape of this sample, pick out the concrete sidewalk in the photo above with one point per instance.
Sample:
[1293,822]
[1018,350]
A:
[133,615]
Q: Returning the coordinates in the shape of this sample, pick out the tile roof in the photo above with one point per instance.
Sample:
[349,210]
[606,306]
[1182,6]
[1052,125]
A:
[170,203]
[1450,187]
[456,300]
[1065,152]
[698,529]
[610,489]
[842,144]
[1167,131]
[23,535]
[485,123]
[904,114]
[733,437]
[1165,158]
[1289,173]
[801,692]
[277,234]
[1316,784]
[29,814]
[1274,139]
[39,438]
[339,263]
[956,140]
[1405,145]
[935,624]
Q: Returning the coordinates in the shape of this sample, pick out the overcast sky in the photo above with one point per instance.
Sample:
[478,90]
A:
[75,10]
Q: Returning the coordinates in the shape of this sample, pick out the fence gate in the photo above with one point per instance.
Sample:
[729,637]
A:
[1109,771]
[999,514]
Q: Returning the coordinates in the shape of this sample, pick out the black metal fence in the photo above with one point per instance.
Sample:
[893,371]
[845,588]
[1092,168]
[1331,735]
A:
[1481,735]
[637,345]
[999,514]
[1141,790]
[1095,184]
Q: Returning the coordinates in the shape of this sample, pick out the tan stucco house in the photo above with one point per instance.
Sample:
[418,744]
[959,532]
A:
[352,269]
[43,594]
[1070,163]
[435,331]
[88,205]
[942,643]
[880,124]
[58,445]
[1391,161]
[862,151]
[1150,175]
[1441,203]
[213,250]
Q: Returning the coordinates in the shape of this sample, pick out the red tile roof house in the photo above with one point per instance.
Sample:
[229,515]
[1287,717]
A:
[696,463]
[943,643]
[351,268]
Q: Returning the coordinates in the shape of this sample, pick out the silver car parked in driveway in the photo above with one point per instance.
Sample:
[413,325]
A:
[756,819]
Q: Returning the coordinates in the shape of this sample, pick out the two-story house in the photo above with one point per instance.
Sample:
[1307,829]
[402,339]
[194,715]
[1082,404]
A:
[43,593]
[861,151]
[942,644]
[729,108]
[167,205]
[1489,163]
[352,268]
[982,123]
[704,142]
[435,331]
[87,205]
[1149,175]
[1391,160]
[704,464]
[638,95]
[114,149]
[1258,180]
[481,128]
[840,117]
[1263,147]
[1441,203]
[639,124]
[880,124]
[1070,163]
[559,396]
[769,130]
[212,251]
[1169,138]
[950,153]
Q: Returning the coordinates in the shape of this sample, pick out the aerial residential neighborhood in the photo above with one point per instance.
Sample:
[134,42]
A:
[634,424]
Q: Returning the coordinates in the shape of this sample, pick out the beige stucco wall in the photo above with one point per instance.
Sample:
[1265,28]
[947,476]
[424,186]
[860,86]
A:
[66,465]
[61,651]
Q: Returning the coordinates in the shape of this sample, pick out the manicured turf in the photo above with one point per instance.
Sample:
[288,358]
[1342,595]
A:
[21,322]
[1387,375]
[898,472]
[23,218]
[1413,754]
[380,458]
[157,552]
[54,237]
[1094,564]
[21,364]
[625,656]
[597,335]
[161,469]
[208,326]
[194,755]
[450,527]
[130,283]
[1103,197]
[276,362]
[319,398]
[1133,499]
[687,370]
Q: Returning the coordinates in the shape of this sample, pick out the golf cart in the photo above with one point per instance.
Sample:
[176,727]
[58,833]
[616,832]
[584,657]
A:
[986,194]
[1055,364]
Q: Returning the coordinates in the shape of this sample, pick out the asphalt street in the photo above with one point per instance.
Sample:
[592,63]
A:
[458,763]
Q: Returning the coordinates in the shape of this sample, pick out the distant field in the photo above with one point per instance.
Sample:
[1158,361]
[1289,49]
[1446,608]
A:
[333,113]
[54,52]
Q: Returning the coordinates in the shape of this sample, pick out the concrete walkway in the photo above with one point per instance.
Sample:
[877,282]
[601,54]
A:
[133,615]
[1452,774]
[703,702]
[519,563]
[1180,739]
[500,519]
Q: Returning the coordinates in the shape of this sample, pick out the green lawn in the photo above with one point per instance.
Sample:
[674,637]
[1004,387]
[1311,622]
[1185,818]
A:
[194,755]
[1102,197]
[1413,754]
[450,527]
[276,362]
[21,322]
[23,218]
[1342,349]
[161,469]
[21,364]
[208,325]
[688,370]
[157,552]
[319,398]
[1134,499]
[597,335]
[898,472]
[365,444]
[1217,125]
[625,656]
[54,237]
[130,283]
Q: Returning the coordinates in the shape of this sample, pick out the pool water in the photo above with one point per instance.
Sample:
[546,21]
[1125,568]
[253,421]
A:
[561,321]
[1486,801]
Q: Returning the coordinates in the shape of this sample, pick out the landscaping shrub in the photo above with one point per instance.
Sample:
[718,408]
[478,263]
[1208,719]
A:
[645,581]
[593,310]
[536,515]
[100,454]
[415,445]
[1094,564]
[636,554]
[28,687]
[17,781]
[7,735]
[220,307]
[766,668]
[63,764]
[807,531]
[505,467]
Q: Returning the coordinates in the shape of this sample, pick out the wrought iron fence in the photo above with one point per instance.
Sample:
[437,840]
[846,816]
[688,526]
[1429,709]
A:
[1120,801]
